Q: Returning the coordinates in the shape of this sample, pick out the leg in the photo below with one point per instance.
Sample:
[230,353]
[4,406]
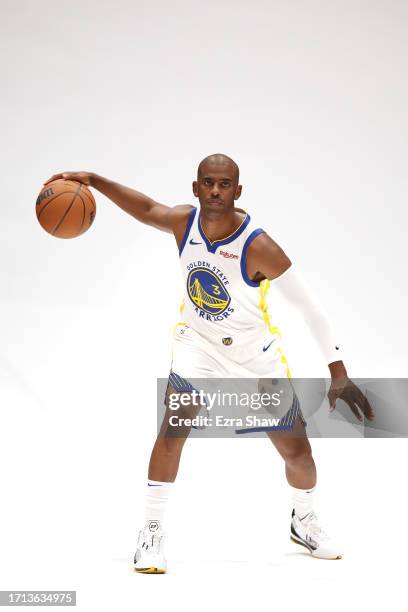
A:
[163,467]
[166,453]
[165,459]
[295,450]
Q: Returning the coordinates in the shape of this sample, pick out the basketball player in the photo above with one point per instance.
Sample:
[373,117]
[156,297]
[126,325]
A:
[228,264]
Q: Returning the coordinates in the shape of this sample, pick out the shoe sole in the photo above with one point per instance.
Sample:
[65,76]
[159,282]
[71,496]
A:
[149,570]
[301,543]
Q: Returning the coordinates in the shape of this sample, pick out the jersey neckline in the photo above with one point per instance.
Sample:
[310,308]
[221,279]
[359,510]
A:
[213,246]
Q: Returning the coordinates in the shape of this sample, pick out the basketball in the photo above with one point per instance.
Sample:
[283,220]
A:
[65,209]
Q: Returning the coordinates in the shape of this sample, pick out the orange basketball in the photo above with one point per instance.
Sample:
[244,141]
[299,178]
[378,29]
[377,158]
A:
[65,209]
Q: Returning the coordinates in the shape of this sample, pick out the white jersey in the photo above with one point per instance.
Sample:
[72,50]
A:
[225,329]
[221,302]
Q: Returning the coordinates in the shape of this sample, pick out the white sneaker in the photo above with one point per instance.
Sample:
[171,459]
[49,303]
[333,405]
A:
[307,532]
[149,558]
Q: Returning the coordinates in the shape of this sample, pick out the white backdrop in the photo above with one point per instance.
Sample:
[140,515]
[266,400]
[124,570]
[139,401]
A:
[309,97]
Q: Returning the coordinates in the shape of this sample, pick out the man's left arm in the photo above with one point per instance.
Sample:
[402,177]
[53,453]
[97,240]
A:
[266,257]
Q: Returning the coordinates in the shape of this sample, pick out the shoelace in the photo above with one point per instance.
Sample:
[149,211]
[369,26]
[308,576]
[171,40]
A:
[151,542]
[311,522]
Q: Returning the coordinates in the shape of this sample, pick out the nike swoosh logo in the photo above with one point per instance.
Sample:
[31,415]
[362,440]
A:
[192,242]
[265,348]
[149,485]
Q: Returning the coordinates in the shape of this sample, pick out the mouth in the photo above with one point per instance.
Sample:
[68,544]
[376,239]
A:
[214,201]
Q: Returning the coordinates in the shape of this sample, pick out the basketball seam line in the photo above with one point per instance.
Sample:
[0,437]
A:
[88,194]
[67,211]
[57,195]
[83,214]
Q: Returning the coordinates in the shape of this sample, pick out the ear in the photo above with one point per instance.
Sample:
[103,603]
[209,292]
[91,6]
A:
[238,192]
[195,188]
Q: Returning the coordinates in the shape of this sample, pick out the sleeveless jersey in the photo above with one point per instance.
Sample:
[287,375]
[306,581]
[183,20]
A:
[221,302]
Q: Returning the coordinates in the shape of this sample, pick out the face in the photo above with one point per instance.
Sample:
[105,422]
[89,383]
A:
[216,188]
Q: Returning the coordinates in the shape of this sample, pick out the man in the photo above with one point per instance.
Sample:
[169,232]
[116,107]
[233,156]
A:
[228,264]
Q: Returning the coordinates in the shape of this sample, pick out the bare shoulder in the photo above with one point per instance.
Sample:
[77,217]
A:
[263,242]
[179,214]
[178,218]
[267,257]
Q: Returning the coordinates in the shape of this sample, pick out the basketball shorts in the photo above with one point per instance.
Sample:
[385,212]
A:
[249,355]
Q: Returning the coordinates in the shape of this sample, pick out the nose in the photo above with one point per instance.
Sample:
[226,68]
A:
[215,192]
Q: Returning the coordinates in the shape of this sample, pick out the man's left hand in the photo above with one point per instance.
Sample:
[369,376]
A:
[344,388]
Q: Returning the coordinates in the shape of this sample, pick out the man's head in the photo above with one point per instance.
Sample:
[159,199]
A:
[217,184]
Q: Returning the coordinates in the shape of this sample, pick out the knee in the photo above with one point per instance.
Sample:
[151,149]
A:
[168,445]
[298,454]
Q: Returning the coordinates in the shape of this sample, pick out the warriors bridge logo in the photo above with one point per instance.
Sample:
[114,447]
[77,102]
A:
[208,293]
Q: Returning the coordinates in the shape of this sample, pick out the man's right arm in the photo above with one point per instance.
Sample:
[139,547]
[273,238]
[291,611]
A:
[140,206]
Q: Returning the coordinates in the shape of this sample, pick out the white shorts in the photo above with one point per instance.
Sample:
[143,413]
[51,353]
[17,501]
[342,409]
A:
[250,355]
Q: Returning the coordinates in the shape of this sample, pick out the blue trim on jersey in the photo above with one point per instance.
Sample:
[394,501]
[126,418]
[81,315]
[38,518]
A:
[213,246]
[188,228]
[248,241]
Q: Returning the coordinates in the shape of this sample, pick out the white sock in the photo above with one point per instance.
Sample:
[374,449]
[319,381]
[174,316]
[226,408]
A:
[156,501]
[302,500]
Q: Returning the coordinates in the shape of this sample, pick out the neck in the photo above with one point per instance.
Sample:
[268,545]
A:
[217,226]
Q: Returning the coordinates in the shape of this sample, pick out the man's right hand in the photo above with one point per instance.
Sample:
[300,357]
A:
[172,220]
[81,177]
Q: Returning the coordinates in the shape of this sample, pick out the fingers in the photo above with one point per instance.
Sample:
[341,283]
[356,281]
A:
[367,410]
[336,391]
[332,400]
[364,405]
[354,398]
[73,176]
[360,400]
[354,409]
[54,177]
[348,401]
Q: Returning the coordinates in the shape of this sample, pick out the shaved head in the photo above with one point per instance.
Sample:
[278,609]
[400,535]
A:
[217,186]
[218,159]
